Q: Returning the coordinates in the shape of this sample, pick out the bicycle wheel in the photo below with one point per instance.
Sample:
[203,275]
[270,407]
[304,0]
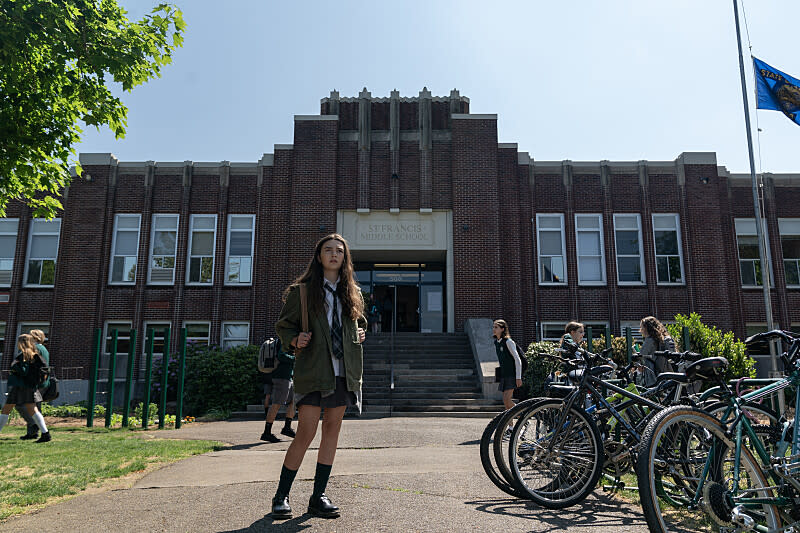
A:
[502,438]
[681,444]
[555,469]
[486,459]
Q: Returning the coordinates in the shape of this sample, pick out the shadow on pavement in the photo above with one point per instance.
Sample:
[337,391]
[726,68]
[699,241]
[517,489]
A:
[246,446]
[268,524]
[596,511]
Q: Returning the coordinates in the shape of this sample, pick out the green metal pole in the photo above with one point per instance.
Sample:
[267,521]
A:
[181,369]
[148,376]
[589,339]
[162,409]
[98,339]
[629,344]
[128,379]
[112,370]
[608,337]
[687,339]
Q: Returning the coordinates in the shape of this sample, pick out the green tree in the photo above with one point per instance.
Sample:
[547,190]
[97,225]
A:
[57,61]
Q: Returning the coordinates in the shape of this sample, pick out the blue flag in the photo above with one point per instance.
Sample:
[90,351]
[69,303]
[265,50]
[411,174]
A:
[775,90]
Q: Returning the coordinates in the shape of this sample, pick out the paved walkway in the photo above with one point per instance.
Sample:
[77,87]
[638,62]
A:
[391,474]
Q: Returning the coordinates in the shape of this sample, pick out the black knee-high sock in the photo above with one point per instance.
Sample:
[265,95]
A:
[285,482]
[267,425]
[321,478]
[287,423]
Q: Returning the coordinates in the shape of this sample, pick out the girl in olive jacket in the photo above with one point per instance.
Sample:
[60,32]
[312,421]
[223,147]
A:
[328,365]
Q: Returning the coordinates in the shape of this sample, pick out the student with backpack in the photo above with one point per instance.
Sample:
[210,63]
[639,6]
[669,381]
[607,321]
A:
[510,362]
[25,376]
[32,432]
[282,392]
[323,320]
[656,338]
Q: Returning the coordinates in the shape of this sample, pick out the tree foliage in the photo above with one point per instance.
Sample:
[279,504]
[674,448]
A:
[57,61]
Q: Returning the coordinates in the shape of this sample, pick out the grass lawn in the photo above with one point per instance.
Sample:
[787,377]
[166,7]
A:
[32,475]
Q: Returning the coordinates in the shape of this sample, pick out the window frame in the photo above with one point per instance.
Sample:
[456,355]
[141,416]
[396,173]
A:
[44,326]
[107,339]
[578,255]
[114,246]
[13,251]
[28,254]
[153,231]
[228,257]
[538,228]
[677,230]
[189,339]
[189,255]
[741,223]
[223,339]
[617,255]
[783,229]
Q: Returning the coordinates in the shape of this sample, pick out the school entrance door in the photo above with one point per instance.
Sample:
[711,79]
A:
[409,296]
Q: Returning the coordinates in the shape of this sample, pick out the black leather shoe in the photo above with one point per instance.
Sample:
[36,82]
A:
[289,432]
[280,507]
[45,437]
[269,437]
[322,507]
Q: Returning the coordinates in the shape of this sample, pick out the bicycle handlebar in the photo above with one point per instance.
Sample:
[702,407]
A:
[788,336]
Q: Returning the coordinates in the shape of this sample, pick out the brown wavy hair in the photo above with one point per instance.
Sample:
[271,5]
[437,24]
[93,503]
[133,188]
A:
[654,328]
[26,344]
[504,325]
[348,290]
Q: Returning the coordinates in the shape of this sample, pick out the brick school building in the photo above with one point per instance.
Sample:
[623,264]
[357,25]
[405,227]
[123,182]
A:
[445,224]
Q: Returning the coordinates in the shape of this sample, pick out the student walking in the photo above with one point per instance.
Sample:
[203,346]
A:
[510,363]
[656,338]
[23,381]
[282,391]
[32,430]
[328,365]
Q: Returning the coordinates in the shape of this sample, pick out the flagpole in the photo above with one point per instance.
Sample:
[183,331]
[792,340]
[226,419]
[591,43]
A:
[762,251]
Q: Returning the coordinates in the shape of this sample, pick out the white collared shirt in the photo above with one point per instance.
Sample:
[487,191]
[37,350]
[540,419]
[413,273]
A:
[337,367]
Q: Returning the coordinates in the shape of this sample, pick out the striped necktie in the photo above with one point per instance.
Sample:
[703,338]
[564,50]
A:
[336,327]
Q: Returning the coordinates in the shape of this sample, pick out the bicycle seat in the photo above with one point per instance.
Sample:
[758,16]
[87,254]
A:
[595,371]
[708,369]
[673,376]
[560,391]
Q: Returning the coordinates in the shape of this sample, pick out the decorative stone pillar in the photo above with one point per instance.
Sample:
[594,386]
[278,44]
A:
[364,145]
[425,151]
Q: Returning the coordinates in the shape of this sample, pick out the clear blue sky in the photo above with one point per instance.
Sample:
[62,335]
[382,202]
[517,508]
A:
[588,80]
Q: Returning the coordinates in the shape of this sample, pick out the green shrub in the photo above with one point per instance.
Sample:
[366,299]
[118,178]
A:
[221,380]
[538,368]
[711,342]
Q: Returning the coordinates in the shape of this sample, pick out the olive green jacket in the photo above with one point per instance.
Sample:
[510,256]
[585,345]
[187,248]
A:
[313,369]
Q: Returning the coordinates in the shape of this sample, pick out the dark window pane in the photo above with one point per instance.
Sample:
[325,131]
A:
[629,269]
[748,247]
[627,242]
[675,274]
[748,272]
[34,272]
[662,268]
[791,247]
[666,243]
[792,277]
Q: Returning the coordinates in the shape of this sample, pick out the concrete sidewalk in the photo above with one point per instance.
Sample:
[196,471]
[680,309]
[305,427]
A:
[391,474]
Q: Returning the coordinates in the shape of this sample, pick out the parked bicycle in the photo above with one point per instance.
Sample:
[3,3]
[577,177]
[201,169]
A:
[701,473]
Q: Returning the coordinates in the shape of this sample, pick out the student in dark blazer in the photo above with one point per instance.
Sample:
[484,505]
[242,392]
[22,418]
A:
[328,365]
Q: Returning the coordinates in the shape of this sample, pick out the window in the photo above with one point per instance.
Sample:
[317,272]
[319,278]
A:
[589,245]
[235,334]
[158,343]
[628,239]
[634,325]
[198,332]
[163,243]
[552,331]
[8,248]
[125,249]
[202,234]
[747,246]
[790,246]
[42,252]
[667,237]
[757,350]
[123,347]
[26,327]
[2,338]
[239,255]
[598,329]
[550,242]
